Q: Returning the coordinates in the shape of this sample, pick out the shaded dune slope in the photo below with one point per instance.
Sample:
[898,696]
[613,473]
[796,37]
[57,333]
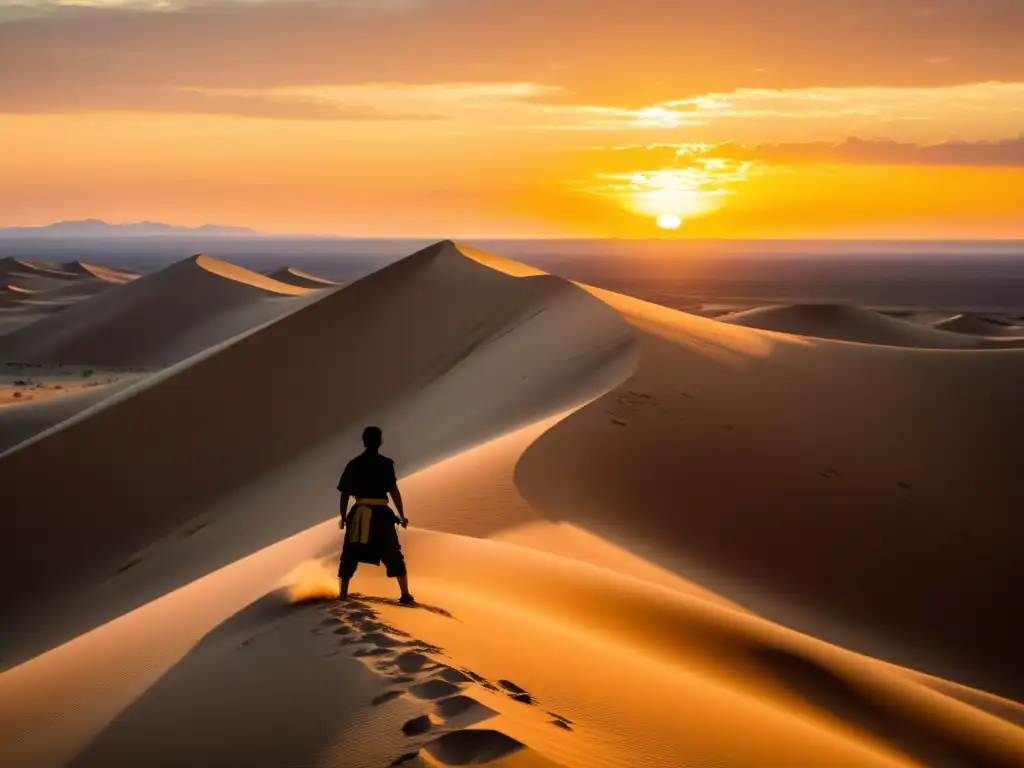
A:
[297,277]
[824,485]
[497,351]
[978,326]
[846,323]
[155,320]
[32,289]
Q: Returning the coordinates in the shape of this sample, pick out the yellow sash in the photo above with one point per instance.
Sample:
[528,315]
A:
[359,527]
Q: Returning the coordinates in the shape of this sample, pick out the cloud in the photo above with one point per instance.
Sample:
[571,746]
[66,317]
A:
[701,158]
[853,151]
[623,54]
[199,102]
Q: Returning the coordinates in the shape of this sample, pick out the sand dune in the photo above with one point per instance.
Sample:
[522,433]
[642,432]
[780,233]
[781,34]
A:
[297,390]
[822,484]
[654,540]
[301,279]
[110,274]
[33,290]
[978,326]
[846,323]
[158,319]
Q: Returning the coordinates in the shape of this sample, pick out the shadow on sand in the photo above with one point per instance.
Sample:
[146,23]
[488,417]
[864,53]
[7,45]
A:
[926,740]
[221,703]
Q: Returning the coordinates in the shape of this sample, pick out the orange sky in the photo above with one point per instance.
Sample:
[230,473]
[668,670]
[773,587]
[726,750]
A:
[438,118]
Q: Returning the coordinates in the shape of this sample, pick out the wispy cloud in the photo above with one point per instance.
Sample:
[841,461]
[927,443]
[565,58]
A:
[644,52]
[1007,153]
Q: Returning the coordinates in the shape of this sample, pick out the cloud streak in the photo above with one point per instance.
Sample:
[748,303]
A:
[621,160]
[1007,153]
[633,54]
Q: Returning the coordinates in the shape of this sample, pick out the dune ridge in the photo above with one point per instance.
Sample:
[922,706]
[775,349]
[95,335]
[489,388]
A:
[300,279]
[34,289]
[840,322]
[110,274]
[976,325]
[156,320]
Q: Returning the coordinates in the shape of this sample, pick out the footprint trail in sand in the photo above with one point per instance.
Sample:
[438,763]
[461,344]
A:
[446,734]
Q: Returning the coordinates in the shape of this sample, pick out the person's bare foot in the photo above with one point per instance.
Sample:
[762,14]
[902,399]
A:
[407,599]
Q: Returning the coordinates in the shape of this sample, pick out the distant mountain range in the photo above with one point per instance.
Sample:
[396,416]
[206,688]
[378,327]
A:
[102,229]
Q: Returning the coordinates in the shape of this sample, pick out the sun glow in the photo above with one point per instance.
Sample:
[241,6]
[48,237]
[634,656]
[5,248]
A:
[694,186]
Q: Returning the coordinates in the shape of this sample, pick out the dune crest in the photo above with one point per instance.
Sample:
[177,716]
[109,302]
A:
[846,323]
[158,319]
[976,325]
[300,279]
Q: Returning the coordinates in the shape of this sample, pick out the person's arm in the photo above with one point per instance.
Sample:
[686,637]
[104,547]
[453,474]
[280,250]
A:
[344,508]
[396,496]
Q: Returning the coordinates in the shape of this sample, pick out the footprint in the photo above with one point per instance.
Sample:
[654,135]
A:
[619,423]
[386,697]
[472,747]
[411,661]
[453,675]
[375,651]
[474,676]
[511,687]
[381,640]
[417,726]
[561,724]
[433,689]
[515,692]
[467,711]
[343,630]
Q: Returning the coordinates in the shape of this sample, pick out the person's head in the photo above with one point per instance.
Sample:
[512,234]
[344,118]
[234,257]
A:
[372,438]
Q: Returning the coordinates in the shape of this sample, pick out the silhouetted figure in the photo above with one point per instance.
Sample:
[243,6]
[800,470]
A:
[371,535]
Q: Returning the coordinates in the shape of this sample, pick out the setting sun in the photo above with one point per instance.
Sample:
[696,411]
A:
[669,221]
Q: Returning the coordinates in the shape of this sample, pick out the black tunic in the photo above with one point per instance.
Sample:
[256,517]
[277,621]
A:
[370,535]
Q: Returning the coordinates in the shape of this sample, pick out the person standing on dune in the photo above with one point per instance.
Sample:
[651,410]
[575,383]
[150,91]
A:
[371,535]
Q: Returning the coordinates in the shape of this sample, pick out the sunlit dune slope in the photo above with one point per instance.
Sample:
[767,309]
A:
[110,274]
[437,348]
[155,320]
[301,279]
[848,323]
[978,326]
[868,495]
